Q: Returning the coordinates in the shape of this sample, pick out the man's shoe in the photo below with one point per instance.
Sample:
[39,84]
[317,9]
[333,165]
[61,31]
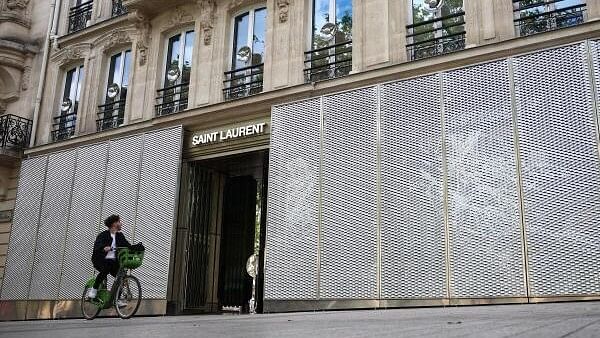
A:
[92,293]
[121,303]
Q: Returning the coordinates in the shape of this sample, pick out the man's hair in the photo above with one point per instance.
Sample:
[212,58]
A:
[111,219]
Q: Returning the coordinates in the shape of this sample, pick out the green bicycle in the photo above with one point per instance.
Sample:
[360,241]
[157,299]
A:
[125,294]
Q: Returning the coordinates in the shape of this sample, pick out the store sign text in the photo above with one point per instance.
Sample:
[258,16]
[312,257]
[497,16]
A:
[217,136]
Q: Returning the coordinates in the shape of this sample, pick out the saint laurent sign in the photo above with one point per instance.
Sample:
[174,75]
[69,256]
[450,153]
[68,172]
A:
[233,133]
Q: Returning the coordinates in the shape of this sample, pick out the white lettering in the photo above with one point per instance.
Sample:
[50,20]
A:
[232,133]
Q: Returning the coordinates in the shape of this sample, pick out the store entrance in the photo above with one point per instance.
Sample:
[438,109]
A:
[225,221]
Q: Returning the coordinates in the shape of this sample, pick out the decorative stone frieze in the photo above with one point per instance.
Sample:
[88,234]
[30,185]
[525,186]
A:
[207,18]
[283,6]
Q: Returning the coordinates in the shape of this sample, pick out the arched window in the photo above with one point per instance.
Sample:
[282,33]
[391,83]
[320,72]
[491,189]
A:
[436,27]
[173,97]
[247,54]
[331,40]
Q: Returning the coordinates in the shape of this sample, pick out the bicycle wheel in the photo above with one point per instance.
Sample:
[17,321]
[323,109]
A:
[89,308]
[128,297]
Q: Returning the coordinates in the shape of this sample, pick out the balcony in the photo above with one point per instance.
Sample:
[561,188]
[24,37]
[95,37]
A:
[173,99]
[243,82]
[80,16]
[110,115]
[153,7]
[63,127]
[118,9]
[539,17]
[328,62]
[436,36]
[15,132]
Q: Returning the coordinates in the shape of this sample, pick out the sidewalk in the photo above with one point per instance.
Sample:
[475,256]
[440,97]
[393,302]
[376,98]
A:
[577,319]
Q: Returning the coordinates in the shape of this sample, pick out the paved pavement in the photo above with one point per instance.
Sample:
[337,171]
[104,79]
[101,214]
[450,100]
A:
[581,319]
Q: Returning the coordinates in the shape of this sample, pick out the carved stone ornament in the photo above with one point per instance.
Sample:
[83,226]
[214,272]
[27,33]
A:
[117,38]
[143,28]
[283,6]
[178,17]
[17,5]
[68,54]
[207,18]
[26,77]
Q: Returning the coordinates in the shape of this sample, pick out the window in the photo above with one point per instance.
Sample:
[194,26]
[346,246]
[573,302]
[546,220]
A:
[536,16]
[173,97]
[64,124]
[437,27]
[111,113]
[247,55]
[331,45]
[80,14]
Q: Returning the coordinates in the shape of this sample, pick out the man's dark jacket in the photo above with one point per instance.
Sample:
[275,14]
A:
[103,240]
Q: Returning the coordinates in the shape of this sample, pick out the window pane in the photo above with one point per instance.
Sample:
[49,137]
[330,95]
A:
[172,55]
[187,57]
[78,85]
[240,39]
[320,18]
[125,80]
[567,3]
[343,15]
[258,45]
[68,82]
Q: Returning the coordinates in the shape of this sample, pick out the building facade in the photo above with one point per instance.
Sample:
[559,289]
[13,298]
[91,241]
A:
[358,154]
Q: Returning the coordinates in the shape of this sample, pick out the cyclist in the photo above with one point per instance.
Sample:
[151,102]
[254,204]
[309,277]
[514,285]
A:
[104,256]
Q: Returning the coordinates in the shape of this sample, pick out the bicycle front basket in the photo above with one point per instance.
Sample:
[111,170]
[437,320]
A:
[130,259]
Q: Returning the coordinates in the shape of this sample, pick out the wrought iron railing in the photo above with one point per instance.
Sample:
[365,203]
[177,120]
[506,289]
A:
[63,127]
[117,8]
[243,82]
[436,36]
[529,20]
[172,99]
[15,132]
[110,115]
[79,16]
[328,62]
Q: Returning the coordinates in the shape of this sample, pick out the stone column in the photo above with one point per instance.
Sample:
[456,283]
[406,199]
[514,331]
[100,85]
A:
[399,12]
[203,63]
[488,22]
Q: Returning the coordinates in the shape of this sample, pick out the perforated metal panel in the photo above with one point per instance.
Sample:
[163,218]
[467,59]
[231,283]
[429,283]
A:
[45,278]
[293,202]
[19,260]
[156,208]
[349,197]
[84,220]
[560,169]
[486,249]
[412,219]
[122,178]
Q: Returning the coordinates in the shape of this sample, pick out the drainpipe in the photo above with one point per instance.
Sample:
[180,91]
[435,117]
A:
[50,34]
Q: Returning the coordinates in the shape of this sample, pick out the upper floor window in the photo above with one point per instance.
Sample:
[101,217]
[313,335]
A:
[80,14]
[111,113]
[64,123]
[331,41]
[247,55]
[173,97]
[436,27]
[536,16]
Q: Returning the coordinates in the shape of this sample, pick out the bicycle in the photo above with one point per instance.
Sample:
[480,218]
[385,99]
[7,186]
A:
[125,294]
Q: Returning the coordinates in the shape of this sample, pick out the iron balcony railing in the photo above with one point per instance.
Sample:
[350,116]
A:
[172,99]
[63,127]
[530,20]
[79,16]
[117,8]
[243,82]
[15,132]
[436,36]
[328,62]
[110,115]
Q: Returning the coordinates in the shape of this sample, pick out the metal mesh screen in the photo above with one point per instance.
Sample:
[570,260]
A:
[412,219]
[293,202]
[486,250]
[19,260]
[84,220]
[156,207]
[349,216]
[122,178]
[560,169]
[45,278]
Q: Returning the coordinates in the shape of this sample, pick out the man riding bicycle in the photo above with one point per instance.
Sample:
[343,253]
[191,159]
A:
[104,256]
